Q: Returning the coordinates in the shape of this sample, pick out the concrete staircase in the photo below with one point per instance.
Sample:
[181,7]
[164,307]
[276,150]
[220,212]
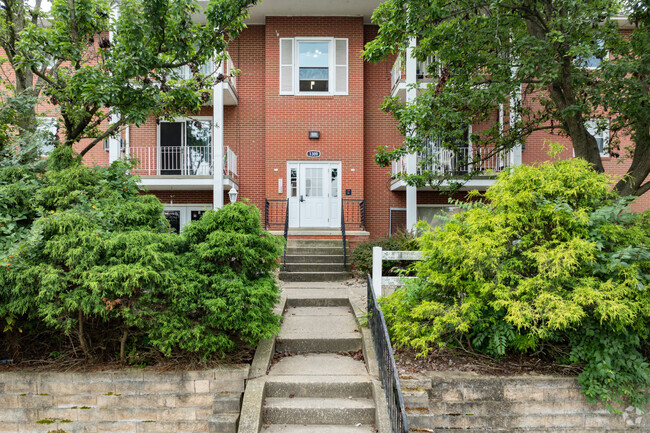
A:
[315,260]
[317,386]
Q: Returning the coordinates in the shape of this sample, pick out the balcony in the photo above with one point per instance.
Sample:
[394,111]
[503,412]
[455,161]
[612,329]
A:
[230,96]
[182,167]
[398,81]
[457,163]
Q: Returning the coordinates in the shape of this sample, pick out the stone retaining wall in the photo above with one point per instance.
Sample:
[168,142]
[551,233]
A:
[443,402]
[126,401]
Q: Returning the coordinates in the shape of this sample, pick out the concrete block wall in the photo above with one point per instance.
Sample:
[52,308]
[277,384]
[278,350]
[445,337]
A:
[449,401]
[126,401]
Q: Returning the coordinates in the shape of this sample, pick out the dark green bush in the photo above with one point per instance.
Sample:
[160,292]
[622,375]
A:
[99,267]
[401,241]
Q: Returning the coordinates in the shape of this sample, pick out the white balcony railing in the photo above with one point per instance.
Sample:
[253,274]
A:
[398,71]
[228,68]
[230,163]
[457,161]
[173,160]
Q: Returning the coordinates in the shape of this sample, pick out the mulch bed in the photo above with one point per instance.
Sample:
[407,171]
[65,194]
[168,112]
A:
[443,359]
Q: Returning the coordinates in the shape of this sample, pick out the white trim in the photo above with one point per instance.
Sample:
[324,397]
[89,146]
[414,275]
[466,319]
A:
[591,125]
[331,66]
[296,164]
[185,210]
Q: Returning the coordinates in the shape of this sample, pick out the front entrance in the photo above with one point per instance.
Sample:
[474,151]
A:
[314,192]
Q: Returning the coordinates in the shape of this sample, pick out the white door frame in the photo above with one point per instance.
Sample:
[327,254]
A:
[334,203]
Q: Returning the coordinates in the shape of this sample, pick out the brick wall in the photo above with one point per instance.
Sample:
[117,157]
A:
[126,402]
[450,401]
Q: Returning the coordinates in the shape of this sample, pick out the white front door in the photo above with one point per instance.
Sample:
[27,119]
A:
[314,194]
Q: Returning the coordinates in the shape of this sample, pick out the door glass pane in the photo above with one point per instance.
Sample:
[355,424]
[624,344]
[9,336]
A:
[294,183]
[335,182]
[314,182]
[171,140]
[174,218]
[198,139]
[196,215]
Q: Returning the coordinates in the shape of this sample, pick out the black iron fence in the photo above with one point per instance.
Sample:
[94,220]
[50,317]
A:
[275,214]
[386,361]
[355,213]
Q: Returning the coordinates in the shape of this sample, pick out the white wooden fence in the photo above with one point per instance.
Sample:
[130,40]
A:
[378,256]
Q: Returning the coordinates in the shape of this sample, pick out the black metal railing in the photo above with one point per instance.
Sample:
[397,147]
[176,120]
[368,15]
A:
[386,361]
[345,250]
[275,213]
[355,211]
[286,235]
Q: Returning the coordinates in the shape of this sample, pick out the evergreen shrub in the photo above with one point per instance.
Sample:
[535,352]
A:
[550,262]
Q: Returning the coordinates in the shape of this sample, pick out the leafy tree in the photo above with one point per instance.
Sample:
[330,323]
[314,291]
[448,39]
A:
[66,57]
[551,262]
[486,51]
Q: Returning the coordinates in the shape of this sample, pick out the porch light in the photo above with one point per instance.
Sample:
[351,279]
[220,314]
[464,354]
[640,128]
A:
[315,135]
[232,194]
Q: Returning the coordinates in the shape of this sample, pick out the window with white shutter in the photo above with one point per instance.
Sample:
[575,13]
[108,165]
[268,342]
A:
[314,65]
[286,66]
[341,66]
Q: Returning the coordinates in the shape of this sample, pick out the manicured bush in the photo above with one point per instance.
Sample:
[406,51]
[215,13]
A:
[100,268]
[401,241]
[552,262]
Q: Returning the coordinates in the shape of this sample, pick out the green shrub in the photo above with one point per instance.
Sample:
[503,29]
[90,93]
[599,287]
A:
[100,266]
[550,259]
[401,241]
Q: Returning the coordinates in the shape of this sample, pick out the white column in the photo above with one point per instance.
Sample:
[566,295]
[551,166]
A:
[411,160]
[114,141]
[376,271]
[217,140]
[515,115]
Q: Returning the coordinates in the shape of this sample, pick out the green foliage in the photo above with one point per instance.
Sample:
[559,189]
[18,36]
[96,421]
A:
[549,259]
[98,263]
[362,254]
[483,54]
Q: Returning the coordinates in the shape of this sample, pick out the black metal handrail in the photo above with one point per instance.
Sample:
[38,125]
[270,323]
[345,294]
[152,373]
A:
[355,209]
[286,235]
[274,214]
[345,250]
[386,361]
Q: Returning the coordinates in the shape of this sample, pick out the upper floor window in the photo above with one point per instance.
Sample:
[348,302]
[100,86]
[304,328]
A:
[599,128]
[313,65]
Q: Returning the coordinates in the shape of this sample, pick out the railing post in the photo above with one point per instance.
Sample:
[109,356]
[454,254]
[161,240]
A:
[376,271]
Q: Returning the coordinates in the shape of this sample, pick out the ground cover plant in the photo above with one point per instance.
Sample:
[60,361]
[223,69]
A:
[549,263]
[93,271]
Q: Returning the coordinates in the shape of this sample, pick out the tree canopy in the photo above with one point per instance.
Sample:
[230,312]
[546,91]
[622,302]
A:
[484,52]
[98,61]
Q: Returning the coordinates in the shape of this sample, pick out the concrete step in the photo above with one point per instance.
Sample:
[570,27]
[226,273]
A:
[314,276]
[319,386]
[302,410]
[316,251]
[311,258]
[415,398]
[318,365]
[318,330]
[316,297]
[222,423]
[337,243]
[293,428]
[316,267]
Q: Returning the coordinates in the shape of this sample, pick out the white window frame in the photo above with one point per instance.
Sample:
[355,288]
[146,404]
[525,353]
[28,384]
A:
[49,124]
[331,66]
[592,128]
[186,211]
[183,136]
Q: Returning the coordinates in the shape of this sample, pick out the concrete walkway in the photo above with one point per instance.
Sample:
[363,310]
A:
[317,386]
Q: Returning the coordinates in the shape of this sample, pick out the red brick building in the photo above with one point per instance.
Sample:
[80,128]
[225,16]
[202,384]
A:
[299,126]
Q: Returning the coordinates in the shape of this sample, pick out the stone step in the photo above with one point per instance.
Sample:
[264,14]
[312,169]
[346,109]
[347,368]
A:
[314,276]
[302,410]
[316,251]
[337,243]
[416,398]
[308,298]
[319,386]
[312,258]
[318,330]
[316,267]
[301,428]
[222,423]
